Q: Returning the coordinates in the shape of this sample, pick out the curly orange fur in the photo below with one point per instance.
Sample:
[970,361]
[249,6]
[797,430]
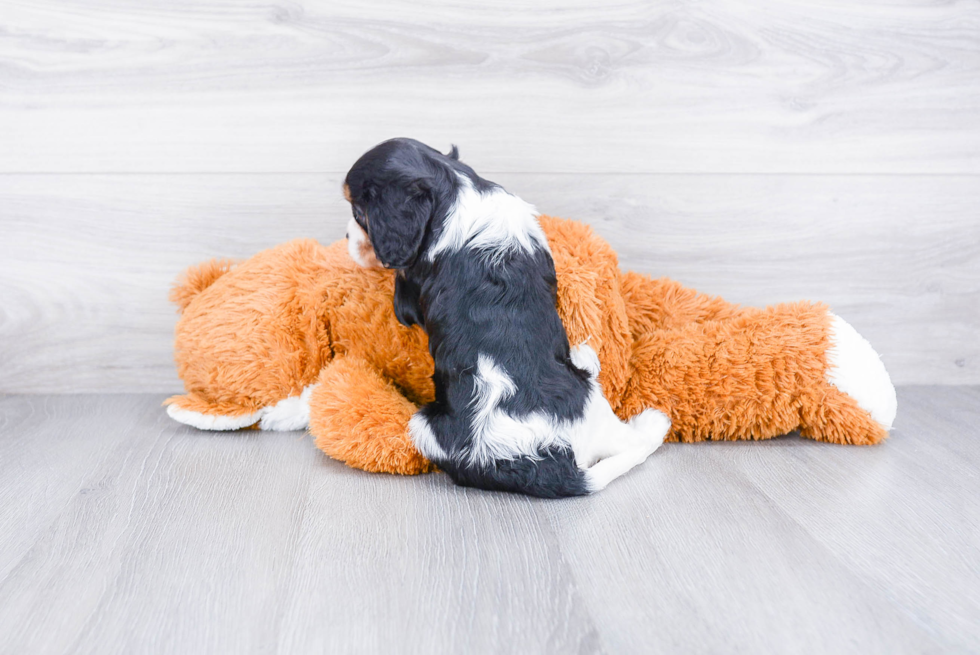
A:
[358,417]
[196,279]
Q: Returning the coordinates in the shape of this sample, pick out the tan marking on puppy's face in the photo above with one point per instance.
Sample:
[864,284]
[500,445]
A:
[359,246]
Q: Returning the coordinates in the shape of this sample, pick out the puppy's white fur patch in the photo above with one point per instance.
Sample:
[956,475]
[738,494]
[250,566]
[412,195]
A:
[495,221]
[856,369]
[634,442]
[291,413]
[603,445]
[424,438]
[496,434]
[586,358]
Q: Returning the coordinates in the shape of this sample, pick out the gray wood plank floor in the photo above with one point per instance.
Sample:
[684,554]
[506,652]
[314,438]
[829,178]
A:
[122,532]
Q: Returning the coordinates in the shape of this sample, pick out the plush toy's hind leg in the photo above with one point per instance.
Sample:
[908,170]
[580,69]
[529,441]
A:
[760,374]
[361,419]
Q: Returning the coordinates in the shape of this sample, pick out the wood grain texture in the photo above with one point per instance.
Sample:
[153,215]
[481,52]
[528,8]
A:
[677,86]
[86,261]
[122,531]
[788,546]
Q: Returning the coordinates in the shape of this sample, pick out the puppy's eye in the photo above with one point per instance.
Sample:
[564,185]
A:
[358,213]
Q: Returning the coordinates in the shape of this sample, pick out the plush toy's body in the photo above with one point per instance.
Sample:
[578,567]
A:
[300,335]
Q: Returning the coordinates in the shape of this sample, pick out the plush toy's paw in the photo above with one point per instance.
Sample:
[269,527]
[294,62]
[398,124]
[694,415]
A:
[230,420]
[652,424]
[291,413]
[361,419]
[204,414]
[854,367]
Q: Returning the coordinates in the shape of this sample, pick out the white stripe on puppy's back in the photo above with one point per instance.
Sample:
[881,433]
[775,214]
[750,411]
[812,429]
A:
[494,221]
[495,434]
[425,439]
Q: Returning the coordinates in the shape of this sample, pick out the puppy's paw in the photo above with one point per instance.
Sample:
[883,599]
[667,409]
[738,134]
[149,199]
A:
[653,425]
[585,358]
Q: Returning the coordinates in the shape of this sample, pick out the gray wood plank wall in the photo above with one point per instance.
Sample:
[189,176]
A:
[822,150]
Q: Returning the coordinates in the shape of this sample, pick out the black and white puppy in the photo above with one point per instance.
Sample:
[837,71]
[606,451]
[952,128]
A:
[516,409]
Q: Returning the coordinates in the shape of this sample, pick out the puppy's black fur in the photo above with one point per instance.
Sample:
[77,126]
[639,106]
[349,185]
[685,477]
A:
[471,303]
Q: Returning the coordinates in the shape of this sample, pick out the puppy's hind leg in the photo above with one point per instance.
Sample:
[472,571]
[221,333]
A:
[607,448]
[622,446]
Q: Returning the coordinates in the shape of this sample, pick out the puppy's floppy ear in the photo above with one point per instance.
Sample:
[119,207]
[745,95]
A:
[407,302]
[398,217]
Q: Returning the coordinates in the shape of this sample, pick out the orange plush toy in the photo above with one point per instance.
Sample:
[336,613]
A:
[300,336]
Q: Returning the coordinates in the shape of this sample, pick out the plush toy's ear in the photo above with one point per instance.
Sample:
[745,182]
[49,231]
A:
[398,217]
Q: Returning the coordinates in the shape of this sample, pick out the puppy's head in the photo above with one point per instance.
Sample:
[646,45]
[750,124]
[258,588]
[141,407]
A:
[395,191]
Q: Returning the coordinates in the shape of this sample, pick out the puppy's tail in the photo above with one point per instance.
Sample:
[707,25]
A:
[196,279]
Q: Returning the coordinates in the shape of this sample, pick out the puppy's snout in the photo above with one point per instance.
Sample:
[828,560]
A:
[359,246]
